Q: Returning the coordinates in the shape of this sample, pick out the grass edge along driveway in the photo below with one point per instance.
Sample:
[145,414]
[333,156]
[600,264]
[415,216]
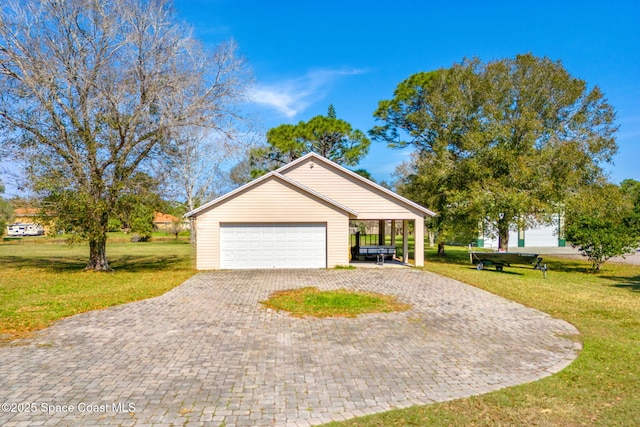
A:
[42,282]
[599,388]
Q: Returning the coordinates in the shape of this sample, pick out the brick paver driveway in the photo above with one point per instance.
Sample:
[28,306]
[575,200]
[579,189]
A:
[208,353]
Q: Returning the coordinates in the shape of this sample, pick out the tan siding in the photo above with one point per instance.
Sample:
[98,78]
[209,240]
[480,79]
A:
[342,188]
[272,201]
[207,244]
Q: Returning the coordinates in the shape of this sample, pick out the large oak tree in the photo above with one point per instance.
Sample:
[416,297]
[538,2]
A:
[92,91]
[499,143]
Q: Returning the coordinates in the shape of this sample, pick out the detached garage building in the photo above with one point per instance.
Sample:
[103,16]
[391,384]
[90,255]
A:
[298,217]
[538,236]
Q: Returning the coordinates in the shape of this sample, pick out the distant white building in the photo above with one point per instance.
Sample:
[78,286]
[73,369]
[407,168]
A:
[540,236]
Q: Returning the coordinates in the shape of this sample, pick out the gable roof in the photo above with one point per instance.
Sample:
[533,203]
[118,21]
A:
[160,217]
[365,181]
[263,178]
[26,211]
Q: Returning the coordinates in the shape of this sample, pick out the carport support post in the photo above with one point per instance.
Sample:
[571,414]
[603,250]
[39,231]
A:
[381,232]
[405,241]
[393,233]
[418,232]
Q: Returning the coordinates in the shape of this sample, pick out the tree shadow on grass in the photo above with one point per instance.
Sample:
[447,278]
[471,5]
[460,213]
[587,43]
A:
[630,283]
[567,265]
[492,270]
[449,258]
[141,263]
[65,264]
[54,264]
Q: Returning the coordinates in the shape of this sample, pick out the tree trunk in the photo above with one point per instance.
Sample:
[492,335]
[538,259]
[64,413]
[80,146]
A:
[503,234]
[441,249]
[98,255]
[98,246]
[192,232]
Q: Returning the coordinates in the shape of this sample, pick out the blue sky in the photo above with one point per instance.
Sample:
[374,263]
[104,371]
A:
[306,55]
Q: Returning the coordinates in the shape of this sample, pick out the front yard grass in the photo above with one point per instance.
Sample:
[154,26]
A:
[311,301]
[41,283]
[599,388]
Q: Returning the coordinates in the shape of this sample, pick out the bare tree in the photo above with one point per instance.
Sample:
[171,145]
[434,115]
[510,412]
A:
[195,171]
[92,91]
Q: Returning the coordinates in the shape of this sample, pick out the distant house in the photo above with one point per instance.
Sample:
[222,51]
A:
[165,222]
[26,215]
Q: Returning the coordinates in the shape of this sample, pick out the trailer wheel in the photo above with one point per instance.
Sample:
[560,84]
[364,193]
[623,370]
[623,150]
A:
[480,266]
[499,267]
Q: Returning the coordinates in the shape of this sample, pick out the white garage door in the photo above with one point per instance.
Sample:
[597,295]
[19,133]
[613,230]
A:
[542,236]
[273,246]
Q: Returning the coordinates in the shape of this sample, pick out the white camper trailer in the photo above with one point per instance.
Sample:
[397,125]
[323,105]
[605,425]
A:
[20,229]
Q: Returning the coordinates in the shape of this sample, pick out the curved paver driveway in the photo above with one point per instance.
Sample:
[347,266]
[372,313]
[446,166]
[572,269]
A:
[207,352]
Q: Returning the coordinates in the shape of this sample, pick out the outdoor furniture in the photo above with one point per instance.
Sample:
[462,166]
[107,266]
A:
[379,252]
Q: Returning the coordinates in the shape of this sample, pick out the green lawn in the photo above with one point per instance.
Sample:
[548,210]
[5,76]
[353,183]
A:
[43,282]
[311,301]
[114,237]
[602,387]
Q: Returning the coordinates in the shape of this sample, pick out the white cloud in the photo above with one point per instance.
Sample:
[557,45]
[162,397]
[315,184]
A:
[292,96]
[287,101]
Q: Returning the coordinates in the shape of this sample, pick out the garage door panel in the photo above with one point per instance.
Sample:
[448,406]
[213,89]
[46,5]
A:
[544,236]
[245,246]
